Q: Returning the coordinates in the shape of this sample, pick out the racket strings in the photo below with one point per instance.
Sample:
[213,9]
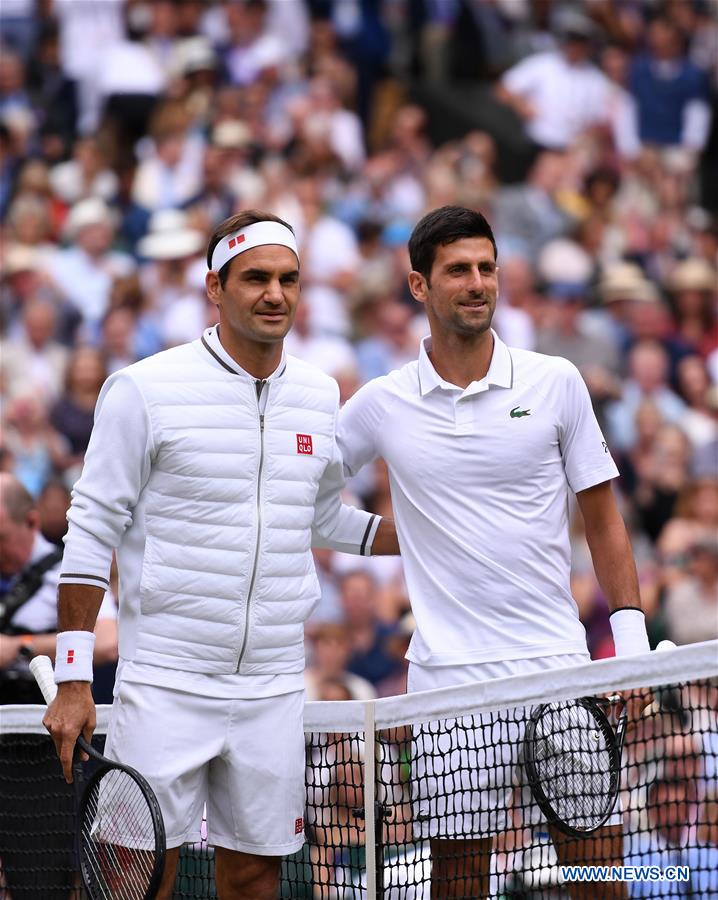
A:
[573,761]
[118,838]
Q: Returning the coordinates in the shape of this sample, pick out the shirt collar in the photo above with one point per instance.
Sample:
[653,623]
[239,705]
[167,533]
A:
[213,345]
[40,547]
[500,373]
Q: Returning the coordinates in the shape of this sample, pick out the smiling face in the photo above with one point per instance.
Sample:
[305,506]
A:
[460,293]
[259,299]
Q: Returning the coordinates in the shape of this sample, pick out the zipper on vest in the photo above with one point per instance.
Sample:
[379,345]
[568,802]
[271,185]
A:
[260,387]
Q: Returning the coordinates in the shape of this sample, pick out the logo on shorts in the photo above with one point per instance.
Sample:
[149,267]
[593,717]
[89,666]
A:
[236,240]
[70,656]
[304,444]
[298,825]
[517,413]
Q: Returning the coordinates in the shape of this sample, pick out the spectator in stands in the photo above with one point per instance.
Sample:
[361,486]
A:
[252,47]
[13,85]
[693,288]
[565,331]
[83,272]
[170,175]
[38,451]
[34,362]
[691,604]
[695,518]
[698,421]
[393,344]
[329,651]
[621,285]
[72,414]
[527,214]
[560,93]
[660,482]
[29,572]
[330,259]
[369,658]
[171,275]
[119,338]
[336,840]
[671,92]
[396,644]
[647,379]
[86,174]
[52,93]
[52,506]
[672,805]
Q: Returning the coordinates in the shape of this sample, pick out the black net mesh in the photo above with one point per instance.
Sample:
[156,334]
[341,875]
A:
[452,805]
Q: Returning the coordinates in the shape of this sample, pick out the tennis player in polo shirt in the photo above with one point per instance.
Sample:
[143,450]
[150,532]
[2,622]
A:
[484,443]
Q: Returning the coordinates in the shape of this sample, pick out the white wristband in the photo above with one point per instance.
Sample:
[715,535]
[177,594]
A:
[73,657]
[629,632]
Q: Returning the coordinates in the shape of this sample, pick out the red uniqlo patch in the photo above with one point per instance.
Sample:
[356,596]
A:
[70,656]
[236,240]
[304,444]
[298,825]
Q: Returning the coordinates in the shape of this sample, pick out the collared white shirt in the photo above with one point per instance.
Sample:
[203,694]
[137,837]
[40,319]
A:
[480,479]
[567,98]
[39,614]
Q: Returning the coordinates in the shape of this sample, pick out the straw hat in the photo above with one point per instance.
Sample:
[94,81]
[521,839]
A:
[231,134]
[90,211]
[170,237]
[625,281]
[564,267]
[194,54]
[694,275]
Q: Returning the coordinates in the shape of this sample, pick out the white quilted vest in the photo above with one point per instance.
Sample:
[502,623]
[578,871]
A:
[228,577]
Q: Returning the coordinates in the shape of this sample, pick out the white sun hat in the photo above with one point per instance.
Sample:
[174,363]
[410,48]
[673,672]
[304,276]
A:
[170,237]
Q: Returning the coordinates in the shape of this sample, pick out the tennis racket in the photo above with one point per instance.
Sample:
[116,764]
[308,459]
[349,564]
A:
[572,758]
[120,835]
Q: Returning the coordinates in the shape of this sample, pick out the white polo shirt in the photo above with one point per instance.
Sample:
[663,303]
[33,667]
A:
[479,482]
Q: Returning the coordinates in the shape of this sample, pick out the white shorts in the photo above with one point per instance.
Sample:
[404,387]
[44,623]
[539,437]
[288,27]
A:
[467,777]
[243,758]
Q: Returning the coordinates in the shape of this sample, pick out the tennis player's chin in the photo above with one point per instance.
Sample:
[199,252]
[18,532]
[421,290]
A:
[271,328]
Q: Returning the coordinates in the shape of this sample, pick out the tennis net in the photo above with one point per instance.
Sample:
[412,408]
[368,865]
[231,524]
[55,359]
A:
[408,789]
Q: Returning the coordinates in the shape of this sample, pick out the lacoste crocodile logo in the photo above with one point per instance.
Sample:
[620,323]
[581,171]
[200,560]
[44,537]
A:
[517,413]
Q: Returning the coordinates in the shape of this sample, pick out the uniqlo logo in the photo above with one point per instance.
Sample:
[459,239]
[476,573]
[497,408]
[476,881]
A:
[298,825]
[304,444]
[70,657]
[236,240]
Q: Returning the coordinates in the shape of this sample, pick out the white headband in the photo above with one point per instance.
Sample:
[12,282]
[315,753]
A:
[257,235]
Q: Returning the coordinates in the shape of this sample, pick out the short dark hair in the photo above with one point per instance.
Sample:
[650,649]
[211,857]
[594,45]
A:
[444,226]
[232,224]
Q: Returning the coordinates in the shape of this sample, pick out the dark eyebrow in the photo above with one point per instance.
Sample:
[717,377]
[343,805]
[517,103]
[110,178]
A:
[254,272]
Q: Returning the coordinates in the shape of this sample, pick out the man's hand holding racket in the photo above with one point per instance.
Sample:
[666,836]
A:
[70,714]
[120,834]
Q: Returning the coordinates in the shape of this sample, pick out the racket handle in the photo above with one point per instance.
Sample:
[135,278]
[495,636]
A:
[41,668]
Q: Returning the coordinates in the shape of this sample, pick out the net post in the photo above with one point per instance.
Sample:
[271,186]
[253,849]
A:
[370,751]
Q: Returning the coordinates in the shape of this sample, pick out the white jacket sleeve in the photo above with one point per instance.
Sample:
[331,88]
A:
[117,467]
[336,525]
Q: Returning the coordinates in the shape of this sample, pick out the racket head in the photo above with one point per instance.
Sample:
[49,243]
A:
[120,835]
[572,760]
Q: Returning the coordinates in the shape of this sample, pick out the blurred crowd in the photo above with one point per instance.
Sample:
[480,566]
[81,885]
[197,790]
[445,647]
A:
[129,129]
